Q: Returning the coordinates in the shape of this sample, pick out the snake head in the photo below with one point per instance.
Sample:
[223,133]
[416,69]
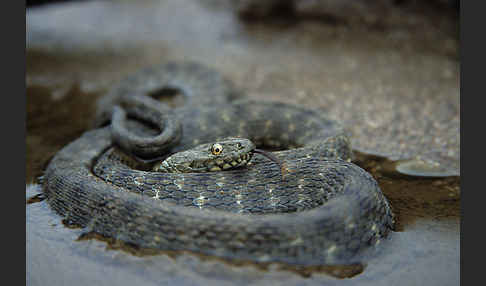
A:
[226,154]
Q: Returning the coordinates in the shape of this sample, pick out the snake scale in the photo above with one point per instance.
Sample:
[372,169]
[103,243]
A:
[322,210]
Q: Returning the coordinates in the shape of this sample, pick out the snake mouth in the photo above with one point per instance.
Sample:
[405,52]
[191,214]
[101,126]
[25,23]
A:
[243,160]
[221,164]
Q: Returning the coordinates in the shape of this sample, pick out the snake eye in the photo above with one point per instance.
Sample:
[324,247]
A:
[216,149]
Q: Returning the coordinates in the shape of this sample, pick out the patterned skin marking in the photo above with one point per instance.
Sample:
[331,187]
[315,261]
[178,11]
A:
[83,181]
[223,155]
[226,117]
[291,127]
[268,124]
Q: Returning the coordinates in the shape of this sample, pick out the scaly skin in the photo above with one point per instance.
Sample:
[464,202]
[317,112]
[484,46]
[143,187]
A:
[324,210]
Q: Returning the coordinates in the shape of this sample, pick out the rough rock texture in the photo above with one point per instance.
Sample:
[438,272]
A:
[392,79]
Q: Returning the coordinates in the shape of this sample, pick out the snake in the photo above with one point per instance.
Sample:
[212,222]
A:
[191,178]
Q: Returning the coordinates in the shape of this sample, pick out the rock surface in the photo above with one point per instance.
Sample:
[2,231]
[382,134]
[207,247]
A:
[393,79]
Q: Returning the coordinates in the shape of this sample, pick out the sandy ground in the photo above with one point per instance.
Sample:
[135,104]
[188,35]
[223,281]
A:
[392,79]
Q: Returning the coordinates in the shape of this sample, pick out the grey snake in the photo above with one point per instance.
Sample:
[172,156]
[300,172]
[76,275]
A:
[323,210]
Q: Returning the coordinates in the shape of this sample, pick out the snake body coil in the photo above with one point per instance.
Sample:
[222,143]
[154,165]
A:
[325,210]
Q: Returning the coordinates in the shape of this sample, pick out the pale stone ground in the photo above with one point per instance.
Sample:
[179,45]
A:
[393,80]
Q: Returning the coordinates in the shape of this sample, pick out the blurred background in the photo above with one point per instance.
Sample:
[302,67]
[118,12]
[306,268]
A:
[389,70]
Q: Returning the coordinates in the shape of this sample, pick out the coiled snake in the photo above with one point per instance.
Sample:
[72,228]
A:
[233,203]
